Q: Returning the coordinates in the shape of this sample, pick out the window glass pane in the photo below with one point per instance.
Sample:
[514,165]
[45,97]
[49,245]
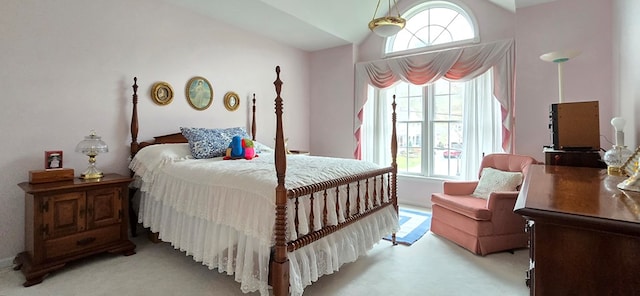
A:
[402,108]
[441,107]
[456,88]
[401,90]
[442,16]
[419,40]
[401,128]
[447,148]
[442,36]
[441,87]
[463,30]
[414,156]
[456,107]
[417,21]
[415,90]
[415,105]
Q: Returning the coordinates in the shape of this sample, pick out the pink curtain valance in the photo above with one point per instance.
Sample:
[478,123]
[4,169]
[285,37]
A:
[460,64]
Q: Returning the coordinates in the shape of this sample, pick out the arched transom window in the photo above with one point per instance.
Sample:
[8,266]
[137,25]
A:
[433,24]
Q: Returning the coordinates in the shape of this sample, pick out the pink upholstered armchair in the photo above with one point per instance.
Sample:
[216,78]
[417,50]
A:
[481,225]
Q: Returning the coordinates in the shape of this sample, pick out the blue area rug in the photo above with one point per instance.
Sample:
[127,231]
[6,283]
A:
[413,225]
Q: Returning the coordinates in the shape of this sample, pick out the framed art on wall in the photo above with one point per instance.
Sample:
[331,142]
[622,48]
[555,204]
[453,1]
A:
[162,93]
[53,160]
[231,101]
[199,93]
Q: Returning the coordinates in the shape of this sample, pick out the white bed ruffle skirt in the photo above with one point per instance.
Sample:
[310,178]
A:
[221,247]
[223,212]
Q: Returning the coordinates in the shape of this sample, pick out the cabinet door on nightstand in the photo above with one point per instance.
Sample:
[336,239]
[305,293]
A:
[104,207]
[63,214]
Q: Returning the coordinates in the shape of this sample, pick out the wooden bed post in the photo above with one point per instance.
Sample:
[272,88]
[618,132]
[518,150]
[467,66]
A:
[253,120]
[133,216]
[134,118]
[280,263]
[394,164]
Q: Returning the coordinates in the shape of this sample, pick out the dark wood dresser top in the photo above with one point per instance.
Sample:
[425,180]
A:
[587,194]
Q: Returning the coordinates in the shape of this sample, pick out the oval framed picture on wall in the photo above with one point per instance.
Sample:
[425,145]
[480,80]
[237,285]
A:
[231,101]
[199,93]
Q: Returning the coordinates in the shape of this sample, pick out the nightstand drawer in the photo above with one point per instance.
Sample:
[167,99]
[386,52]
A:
[68,245]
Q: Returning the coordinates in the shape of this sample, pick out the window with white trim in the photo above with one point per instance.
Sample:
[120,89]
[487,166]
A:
[431,119]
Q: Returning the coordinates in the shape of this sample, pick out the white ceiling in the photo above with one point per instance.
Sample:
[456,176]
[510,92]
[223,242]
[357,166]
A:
[306,24]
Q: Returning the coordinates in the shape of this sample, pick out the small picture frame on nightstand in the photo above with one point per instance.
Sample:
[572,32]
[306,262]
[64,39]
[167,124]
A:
[53,160]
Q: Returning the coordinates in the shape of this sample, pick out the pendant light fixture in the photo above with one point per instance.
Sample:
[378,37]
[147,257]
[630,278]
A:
[388,25]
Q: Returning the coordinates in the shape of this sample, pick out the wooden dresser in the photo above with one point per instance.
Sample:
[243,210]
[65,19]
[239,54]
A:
[69,220]
[590,158]
[584,232]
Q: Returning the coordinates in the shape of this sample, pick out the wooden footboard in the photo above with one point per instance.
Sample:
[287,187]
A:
[280,265]
[374,200]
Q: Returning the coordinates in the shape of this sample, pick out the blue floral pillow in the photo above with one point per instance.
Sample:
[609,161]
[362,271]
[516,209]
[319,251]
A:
[210,143]
[236,131]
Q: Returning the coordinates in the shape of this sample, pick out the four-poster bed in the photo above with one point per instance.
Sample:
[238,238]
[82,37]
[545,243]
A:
[325,211]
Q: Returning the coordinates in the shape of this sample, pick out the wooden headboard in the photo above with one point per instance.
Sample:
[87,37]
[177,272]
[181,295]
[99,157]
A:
[170,138]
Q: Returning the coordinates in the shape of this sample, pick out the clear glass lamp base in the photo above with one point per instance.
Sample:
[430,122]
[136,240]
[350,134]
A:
[91,173]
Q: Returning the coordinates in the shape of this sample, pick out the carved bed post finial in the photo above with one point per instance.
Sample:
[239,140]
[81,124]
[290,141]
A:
[253,121]
[394,164]
[134,118]
[280,263]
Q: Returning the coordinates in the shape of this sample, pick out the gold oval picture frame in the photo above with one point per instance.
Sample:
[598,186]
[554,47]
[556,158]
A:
[199,93]
[231,101]
[162,93]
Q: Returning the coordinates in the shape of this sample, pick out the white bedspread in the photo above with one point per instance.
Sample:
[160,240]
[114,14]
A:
[222,212]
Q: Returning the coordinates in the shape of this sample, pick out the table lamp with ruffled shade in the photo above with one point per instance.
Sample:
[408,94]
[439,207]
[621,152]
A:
[92,145]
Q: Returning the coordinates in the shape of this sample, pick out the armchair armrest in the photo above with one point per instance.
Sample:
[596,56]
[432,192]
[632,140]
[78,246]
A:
[501,205]
[459,187]
[500,199]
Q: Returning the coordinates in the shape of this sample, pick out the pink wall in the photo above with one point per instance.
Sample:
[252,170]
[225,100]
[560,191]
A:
[67,67]
[331,106]
[584,25]
[537,30]
[626,72]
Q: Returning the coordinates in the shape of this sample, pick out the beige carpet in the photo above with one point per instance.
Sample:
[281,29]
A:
[432,266]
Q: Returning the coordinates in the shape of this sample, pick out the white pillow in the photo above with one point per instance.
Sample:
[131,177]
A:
[492,180]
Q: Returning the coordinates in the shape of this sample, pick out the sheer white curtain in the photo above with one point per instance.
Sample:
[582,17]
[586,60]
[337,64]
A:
[481,134]
[463,63]
[376,131]
[481,121]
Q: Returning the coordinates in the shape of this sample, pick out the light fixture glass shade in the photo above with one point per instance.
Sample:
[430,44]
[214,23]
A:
[91,146]
[615,159]
[387,26]
[560,56]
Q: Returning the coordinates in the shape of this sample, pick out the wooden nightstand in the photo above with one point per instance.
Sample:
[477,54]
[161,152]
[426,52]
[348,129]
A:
[69,220]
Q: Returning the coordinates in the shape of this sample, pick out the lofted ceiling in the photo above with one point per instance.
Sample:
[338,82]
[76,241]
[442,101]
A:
[309,25]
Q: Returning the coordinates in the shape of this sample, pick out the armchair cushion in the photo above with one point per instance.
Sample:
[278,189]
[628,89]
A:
[469,206]
[496,180]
